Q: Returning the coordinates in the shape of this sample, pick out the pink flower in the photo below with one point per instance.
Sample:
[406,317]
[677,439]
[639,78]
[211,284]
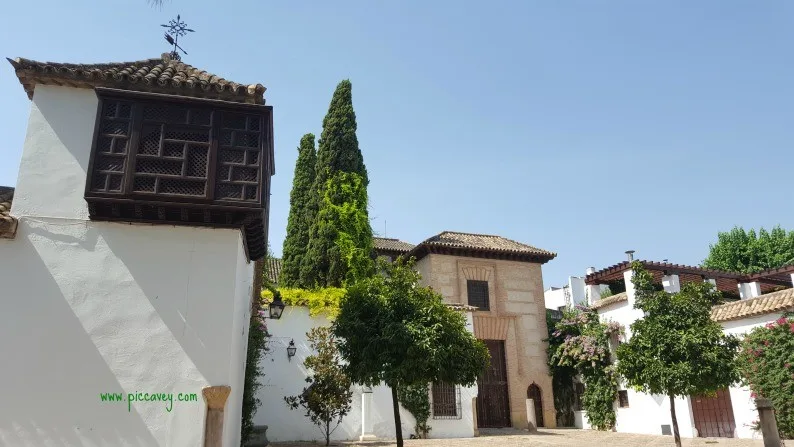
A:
[766,342]
[781,321]
[770,325]
[752,395]
[788,365]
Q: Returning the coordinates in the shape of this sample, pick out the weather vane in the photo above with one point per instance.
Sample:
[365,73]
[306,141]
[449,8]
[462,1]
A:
[176,28]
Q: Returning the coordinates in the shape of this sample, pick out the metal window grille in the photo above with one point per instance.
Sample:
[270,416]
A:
[623,399]
[445,401]
[478,294]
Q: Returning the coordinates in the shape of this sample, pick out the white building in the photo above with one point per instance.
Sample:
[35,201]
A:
[371,416]
[567,296]
[731,412]
[127,253]
[498,283]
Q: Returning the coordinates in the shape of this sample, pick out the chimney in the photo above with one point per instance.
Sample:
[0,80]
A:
[591,270]
[630,254]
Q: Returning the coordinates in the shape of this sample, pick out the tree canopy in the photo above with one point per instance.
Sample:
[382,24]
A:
[676,349]
[747,252]
[340,236]
[393,330]
[301,214]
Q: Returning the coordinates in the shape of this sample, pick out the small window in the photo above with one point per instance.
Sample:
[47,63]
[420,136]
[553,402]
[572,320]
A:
[623,399]
[478,294]
[446,401]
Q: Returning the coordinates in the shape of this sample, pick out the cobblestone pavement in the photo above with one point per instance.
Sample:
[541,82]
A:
[551,438]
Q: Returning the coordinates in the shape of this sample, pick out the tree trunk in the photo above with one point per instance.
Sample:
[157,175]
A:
[676,436]
[397,424]
[327,433]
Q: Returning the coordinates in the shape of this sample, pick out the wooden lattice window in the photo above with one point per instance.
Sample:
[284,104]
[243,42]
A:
[176,160]
[623,399]
[173,159]
[445,401]
[477,292]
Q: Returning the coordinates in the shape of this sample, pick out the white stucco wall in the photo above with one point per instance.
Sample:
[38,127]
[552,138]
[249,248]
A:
[646,413]
[97,307]
[285,377]
[554,298]
[744,410]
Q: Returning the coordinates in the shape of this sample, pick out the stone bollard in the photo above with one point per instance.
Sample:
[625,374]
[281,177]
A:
[766,418]
[531,419]
[215,396]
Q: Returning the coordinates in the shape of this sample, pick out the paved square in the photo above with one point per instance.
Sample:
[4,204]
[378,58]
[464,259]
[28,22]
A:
[551,438]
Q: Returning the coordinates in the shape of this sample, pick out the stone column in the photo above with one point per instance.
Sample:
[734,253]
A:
[215,396]
[531,419]
[366,416]
[766,417]
[474,415]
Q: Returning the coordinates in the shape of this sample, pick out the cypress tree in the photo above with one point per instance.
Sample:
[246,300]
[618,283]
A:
[340,231]
[301,214]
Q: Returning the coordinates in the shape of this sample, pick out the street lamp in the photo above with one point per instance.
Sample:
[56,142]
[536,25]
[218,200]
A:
[277,306]
[291,349]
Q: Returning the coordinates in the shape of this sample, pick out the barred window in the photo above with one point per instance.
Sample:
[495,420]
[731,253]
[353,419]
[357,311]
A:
[477,292]
[623,399]
[445,401]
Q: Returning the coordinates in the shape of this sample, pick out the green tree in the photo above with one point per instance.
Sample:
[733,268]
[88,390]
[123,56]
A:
[327,398]
[397,332]
[579,344]
[332,247]
[340,241]
[747,252]
[301,214]
[766,361]
[676,349]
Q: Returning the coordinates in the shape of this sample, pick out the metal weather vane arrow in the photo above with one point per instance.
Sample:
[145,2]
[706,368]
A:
[176,29]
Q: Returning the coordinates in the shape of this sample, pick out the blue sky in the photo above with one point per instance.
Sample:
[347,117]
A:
[582,127]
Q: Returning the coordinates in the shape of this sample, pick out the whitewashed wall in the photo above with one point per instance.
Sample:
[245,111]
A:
[744,410]
[646,413]
[285,377]
[97,307]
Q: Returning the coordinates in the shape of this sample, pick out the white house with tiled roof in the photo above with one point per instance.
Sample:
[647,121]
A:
[754,300]
[127,252]
[498,283]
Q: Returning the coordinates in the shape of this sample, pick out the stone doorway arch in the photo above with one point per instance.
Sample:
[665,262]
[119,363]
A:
[533,392]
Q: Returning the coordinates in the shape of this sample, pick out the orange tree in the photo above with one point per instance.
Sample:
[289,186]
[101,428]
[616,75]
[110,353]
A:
[395,331]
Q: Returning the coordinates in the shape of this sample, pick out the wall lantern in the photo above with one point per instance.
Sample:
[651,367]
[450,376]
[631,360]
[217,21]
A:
[291,349]
[277,306]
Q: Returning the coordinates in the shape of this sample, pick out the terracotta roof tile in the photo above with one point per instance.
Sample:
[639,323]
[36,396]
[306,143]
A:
[765,304]
[8,223]
[159,75]
[483,244]
[387,244]
[616,298]
[273,269]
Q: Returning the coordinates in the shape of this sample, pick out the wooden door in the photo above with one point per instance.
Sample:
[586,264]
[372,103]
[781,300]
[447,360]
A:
[714,415]
[493,403]
[533,392]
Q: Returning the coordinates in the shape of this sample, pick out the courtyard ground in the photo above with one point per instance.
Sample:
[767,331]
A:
[549,438]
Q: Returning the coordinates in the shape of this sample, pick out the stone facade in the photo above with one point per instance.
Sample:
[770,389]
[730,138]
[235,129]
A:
[517,316]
